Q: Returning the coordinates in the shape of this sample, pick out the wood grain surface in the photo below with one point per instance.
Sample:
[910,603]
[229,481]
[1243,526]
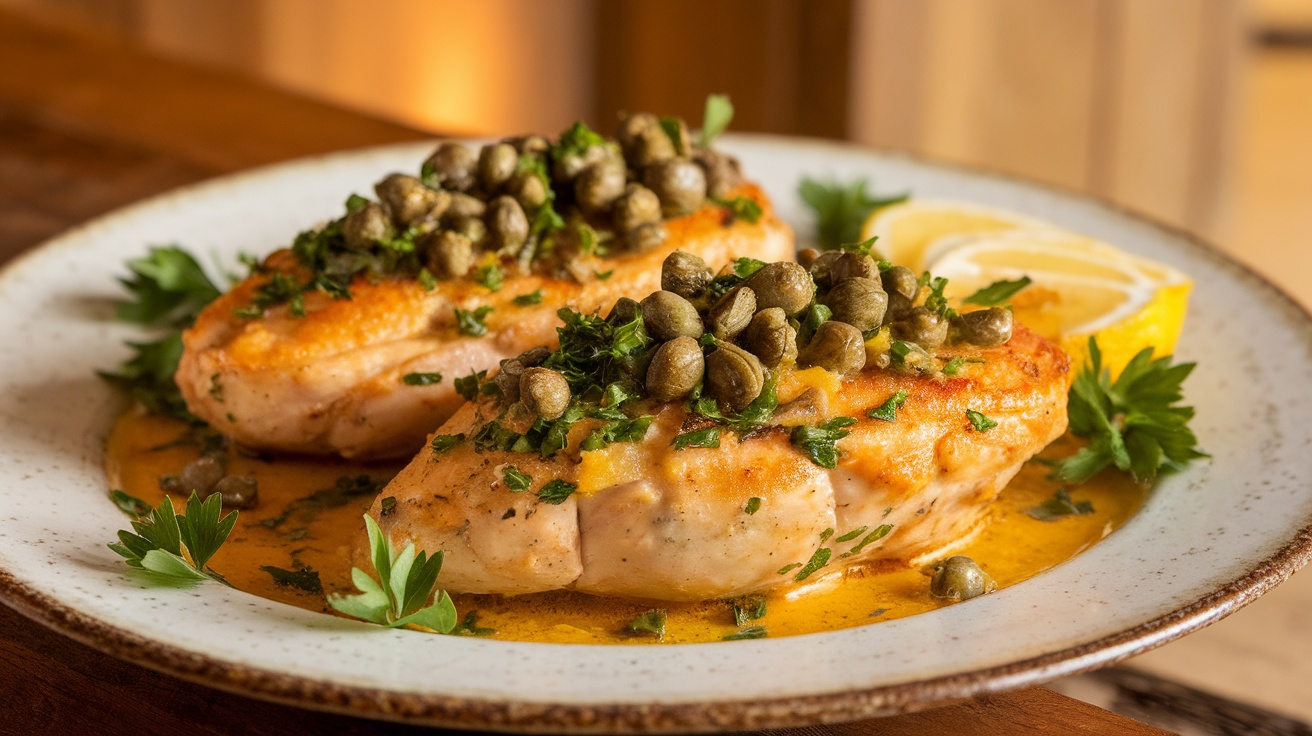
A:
[89,125]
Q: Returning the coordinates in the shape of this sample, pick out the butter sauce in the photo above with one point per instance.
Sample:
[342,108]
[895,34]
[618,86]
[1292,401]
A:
[287,531]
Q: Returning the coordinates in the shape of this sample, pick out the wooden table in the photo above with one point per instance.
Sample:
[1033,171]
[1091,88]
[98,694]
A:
[87,126]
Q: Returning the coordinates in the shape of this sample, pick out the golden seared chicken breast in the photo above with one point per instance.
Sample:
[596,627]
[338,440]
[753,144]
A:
[765,427]
[351,341]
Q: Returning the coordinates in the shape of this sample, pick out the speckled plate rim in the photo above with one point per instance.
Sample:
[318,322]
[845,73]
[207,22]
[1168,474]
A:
[722,714]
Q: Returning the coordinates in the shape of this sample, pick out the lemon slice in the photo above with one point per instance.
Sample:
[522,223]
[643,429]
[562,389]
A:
[1080,287]
[910,232]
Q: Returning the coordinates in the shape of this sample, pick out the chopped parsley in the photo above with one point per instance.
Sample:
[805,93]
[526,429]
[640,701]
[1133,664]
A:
[303,578]
[887,411]
[751,632]
[421,379]
[879,533]
[741,208]
[651,623]
[998,292]
[748,608]
[980,422]
[603,275]
[954,366]
[716,117]
[529,299]
[708,437]
[852,534]
[556,491]
[1059,507]
[617,430]
[468,626]
[468,386]
[471,322]
[841,209]
[490,276]
[819,559]
[863,249]
[820,443]
[516,480]
[753,505]
[444,443]
[128,504]
[739,271]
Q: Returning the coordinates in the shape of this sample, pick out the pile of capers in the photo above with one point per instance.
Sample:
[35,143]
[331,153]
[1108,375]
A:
[470,203]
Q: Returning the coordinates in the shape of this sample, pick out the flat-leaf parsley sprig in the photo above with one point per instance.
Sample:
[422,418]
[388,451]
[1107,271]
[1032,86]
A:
[406,582]
[163,536]
[1132,422]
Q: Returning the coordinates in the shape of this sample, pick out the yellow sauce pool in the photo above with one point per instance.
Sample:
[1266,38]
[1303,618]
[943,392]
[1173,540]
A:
[303,519]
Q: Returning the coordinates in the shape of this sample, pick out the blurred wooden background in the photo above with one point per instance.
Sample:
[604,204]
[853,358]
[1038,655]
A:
[1127,99]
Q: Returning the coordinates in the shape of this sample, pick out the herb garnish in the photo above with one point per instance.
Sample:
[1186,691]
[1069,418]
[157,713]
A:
[468,626]
[128,504]
[304,578]
[819,443]
[421,379]
[467,386]
[1059,507]
[651,623]
[516,480]
[708,437]
[751,632]
[157,547]
[954,366]
[879,533]
[748,608]
[556,491]
[841,209]
[617,430]
[741,208]
[444,443]
[529,299]
[887,411]
[819,559]
[753,505]
[405,584]
[470,322]
[980,422]
[998,292]
[739,271]
[1132,423]
[716,117]
[490,276]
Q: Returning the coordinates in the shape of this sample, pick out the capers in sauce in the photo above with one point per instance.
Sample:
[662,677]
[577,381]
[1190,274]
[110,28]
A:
[470,226]
[623,312]
[507,225]
[685,274]
[784,285]
[531,145]
[496,164]
[678,183]
[636,207]
[806,257]
[667,315]
[851,266]
[599,185]
[646,236]
[923,327]
[731,313]
[453,166]
[819,268]
[675,369]
[769,337]
[987,328]
[528,189]
[544,392]
[900,280]
[237,491]
[366,226]
[200,475]
[569,166]
[723,173]
[450,254]
[860,302]
[837,347]
[734,377]
[960,578]
[463,205]
[406,197]
[507,378]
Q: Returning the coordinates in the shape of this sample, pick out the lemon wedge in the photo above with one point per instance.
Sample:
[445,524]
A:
[1080,287]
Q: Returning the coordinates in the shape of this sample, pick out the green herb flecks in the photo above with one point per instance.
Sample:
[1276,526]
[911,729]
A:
[841,209]
[529,299]
[468,626]
[887,411]
[161,538]
[980,422]
[936,302]
[819,559]
[879,533]
[651,623]
[471,321]
[748,608]
[753,505]
[617,430]
[998,292]
[128,504]
[739,271]
[751,632]
[516,480]
[716,117]
[421,379]
[708,437]
[401,594]
[345,490]
[303,578]
[954,366]
[820,443]
[1059,507]
[1133,423]
[741,208]
[468,386]
[556,491]
[864,248]
[444,443]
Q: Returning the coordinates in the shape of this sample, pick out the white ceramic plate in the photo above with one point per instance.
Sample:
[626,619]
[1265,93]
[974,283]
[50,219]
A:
[1207,541]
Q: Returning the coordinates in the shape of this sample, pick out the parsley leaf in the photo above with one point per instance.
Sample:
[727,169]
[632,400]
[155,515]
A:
[556,491]
[529,299]
[516,480]
[470,322]
[751,632]
[304,578]
[651,623]
[468,626]
[879,533]
[748,608]
[887,411]
[128,504]
[753,505]
[1132,423]
[421,379]
[998,292]
[401,594]
[1059,506]
[715,118]
[169,289]
[490,276]
[741,208]
[163,536]
[980,422]
[576,141]
[709,437]
[819,559]
[936,302]
[617,430]
[467,386]
[954,366]
[444,443]
[820,443]
[863,249]
[840,209]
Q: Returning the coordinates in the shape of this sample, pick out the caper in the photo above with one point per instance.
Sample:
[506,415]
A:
[675,369]
[899,307]
[367,226]
[806,257]
[530,145]
[453,166]
[681,138]
[507,379]
[679,183]
[960,578]
[648,146]
[623,312]
[633,125]
[599,185]
[470,226]
[731,313]
[734,377]
[237,491]
[851,266]
[528,189]
[667,315]
[837,347]
[784,285]
[860,302]
[637,206]
[646,236]
[923,327]
[987,328]
[406,197]
[507,225]
[464,205]
[200,475]
[769,337]
[819,268]
[496,164]
[567,167]
[723,173]
[685,274]
[900,280]
[544,392]
[450,254]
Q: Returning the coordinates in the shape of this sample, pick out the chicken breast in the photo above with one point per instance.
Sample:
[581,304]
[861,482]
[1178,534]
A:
[650,521]
[331,382]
